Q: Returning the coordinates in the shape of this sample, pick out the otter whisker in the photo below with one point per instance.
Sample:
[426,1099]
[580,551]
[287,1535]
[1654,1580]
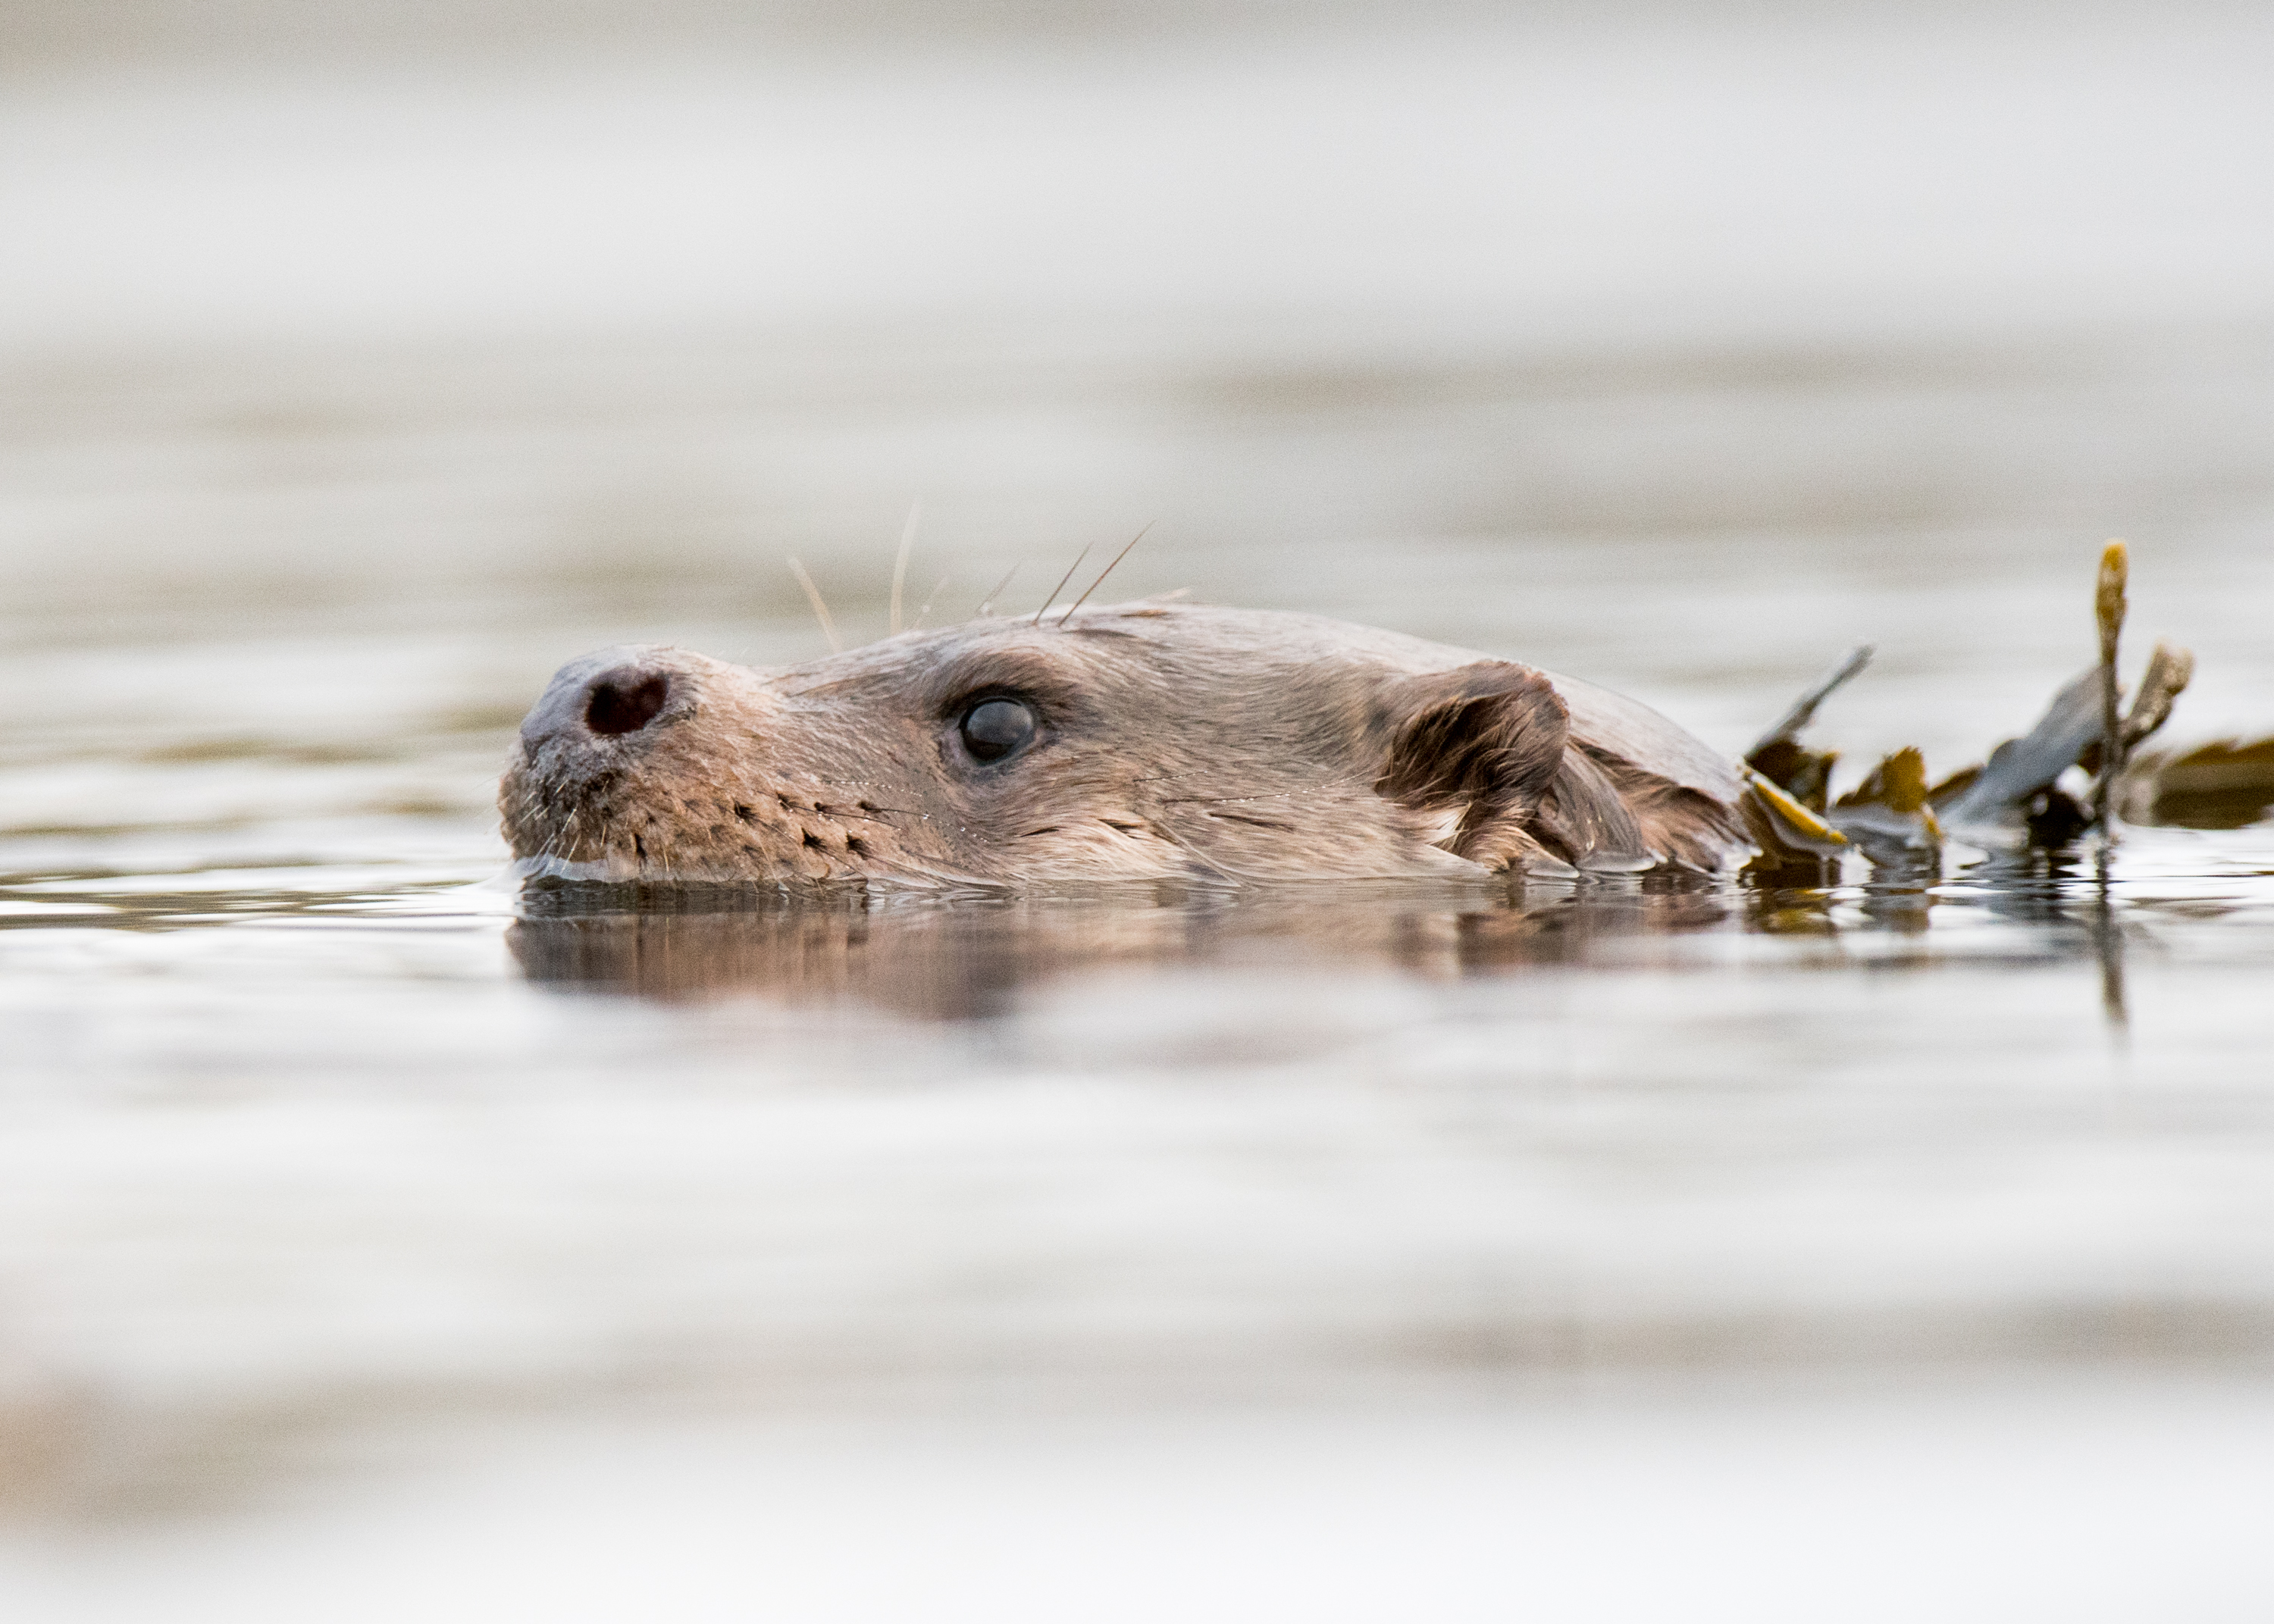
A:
[1239,880]
[1108,570]
[900,562]
[820,609]
[1310,786]
[988,602]
[1201,800]
[1061,586]
[924,613]
[563,840]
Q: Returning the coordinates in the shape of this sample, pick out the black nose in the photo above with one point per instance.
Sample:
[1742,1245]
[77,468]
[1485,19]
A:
[625,700]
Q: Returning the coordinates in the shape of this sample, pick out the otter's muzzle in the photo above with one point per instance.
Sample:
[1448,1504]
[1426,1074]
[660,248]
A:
[639,760]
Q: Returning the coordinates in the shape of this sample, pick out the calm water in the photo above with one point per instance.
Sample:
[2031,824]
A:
[325,1151]
[351,1203]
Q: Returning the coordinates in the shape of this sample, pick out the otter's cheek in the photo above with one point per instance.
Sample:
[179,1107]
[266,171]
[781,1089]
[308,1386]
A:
[1119,846]
[1321,831]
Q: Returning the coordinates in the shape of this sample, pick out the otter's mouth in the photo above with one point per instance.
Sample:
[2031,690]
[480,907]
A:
[547,866]
[565,827]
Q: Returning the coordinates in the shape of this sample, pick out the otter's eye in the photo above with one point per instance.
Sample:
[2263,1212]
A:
[995,728]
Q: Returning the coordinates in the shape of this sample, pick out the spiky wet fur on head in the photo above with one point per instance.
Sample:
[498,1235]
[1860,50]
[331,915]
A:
[1174,740]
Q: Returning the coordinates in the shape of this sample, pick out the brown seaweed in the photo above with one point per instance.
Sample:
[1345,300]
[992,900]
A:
[2108,608]
[1891,805]
[1778,756]
[2223,784]
[1894,815]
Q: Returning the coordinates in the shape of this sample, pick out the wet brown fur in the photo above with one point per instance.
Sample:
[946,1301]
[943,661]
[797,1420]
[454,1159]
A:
[1177,741]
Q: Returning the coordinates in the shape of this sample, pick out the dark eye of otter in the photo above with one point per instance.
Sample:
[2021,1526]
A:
[995,728]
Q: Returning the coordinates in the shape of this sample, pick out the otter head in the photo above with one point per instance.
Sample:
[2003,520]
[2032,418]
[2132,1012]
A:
[1142,740]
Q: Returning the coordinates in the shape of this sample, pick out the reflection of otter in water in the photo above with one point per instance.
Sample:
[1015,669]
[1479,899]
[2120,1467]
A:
[1150,740]
[971,956]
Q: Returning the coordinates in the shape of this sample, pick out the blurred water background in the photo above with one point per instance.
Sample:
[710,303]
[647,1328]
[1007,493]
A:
[1884,1251]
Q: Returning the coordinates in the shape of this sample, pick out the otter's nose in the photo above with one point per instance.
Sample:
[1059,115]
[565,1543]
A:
[625,700]
[611,696]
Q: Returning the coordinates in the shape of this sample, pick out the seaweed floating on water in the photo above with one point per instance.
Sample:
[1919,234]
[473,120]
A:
[2016,794]
[1780,756]
[1787,787]
[2224,785]
[1891,804]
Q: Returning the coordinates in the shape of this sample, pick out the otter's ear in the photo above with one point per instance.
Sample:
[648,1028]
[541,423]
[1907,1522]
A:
[1490,745]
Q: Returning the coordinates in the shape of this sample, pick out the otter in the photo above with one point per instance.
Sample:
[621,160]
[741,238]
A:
[1153,739]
